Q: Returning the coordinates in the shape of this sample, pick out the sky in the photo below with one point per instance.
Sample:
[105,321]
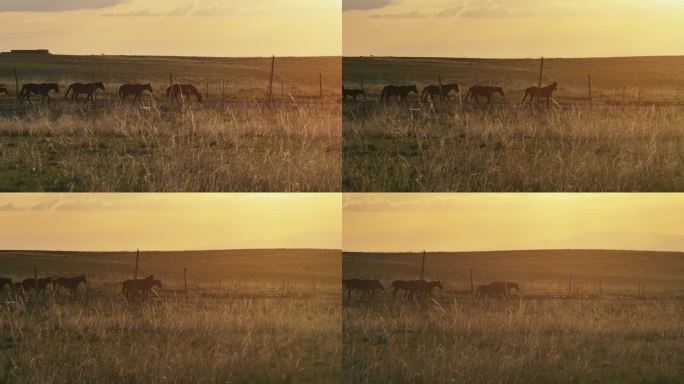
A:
[512,221]
[234,28]
[191,221]
[513,28]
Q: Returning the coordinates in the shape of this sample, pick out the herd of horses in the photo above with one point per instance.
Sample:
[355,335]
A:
[475,93]
[176,92]
[131,288]
[422,289]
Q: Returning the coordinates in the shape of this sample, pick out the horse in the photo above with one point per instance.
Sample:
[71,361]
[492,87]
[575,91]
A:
[485,91]
[5,281]
[443,92]
[506,286]
[70,283]
[18,287]
[419,288]
[426,287]
[543,92]
[88,89]
[179,90]
[131,287]
[133,89]
[4,90]
[406,285]
[41,89]
[400,91]
[367,287]
[38,285]
[353,93]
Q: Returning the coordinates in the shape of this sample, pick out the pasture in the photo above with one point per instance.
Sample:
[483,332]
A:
[274,318]
[629,138]
[233,141]
[584,316]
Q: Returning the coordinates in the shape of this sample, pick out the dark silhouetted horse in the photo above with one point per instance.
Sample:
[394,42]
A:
[4,90]
[87,89]
[42,89]
[477,91]
[497,289]
[131,287]
[506,286]
[434,90]
[353,93]
[399,91]
[70,283]
[415,288]
[38,285]
[177,91]
[133,89]
[538,93]
[367,287]
[5,281]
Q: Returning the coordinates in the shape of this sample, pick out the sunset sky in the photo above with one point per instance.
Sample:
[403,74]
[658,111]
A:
[190,221]
[513,28]
[174,27]
[482,221]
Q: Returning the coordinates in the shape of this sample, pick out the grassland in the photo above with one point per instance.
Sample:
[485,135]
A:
[546,335]
[266,324]
[234,141]
[630,140]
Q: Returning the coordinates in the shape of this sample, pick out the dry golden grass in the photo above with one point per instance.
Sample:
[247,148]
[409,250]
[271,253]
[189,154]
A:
[267,325]
[547,335]
[234,141]
[509,147]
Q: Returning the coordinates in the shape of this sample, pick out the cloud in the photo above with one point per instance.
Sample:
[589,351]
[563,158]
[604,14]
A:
[450,12]
[45,205]
[141,13]
[404,15]
[54,5]
[181,11]
[362,5]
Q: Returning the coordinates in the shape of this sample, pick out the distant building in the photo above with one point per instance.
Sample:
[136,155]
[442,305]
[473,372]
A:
[29,52]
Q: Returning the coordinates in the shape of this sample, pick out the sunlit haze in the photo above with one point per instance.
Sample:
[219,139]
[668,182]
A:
[192,221]
[513,28]
[174,27]
[482,221]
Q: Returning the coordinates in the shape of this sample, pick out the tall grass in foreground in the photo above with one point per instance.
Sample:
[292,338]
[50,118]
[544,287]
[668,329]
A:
[510,148]
[244,147]
[526,341]
[231,341]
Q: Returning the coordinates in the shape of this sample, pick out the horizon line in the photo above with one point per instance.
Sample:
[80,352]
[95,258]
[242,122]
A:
[518,250]
[513,58]
[9,53]
[172,250]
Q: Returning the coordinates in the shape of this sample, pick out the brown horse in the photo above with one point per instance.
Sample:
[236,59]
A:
[485,91]
[38,285]
[415,288]
[353,93]
[183,90]
[543,92]
[399,91]
[87,89]
[70,283]
[435,90]
[367,287]
[133,89]
[144,286]
[42,89]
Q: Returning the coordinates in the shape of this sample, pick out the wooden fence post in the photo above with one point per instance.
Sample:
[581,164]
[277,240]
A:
[422,268]
[541,71]
[219,288]
[591,102]
[600,288]
[472,287]
[270,82]
[137,259]
[441,91]
[314,284]
[320,83]
[16,84]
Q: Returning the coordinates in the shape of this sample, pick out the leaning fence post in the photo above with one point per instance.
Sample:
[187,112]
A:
[472,287]
[270,82]
[320,83]
[16,84]
[219,288]
[137,258]
[591,102]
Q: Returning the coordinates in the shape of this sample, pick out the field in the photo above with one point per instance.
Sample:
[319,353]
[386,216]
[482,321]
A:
[607,329]
[233,141]
[628,139]
[275,318]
